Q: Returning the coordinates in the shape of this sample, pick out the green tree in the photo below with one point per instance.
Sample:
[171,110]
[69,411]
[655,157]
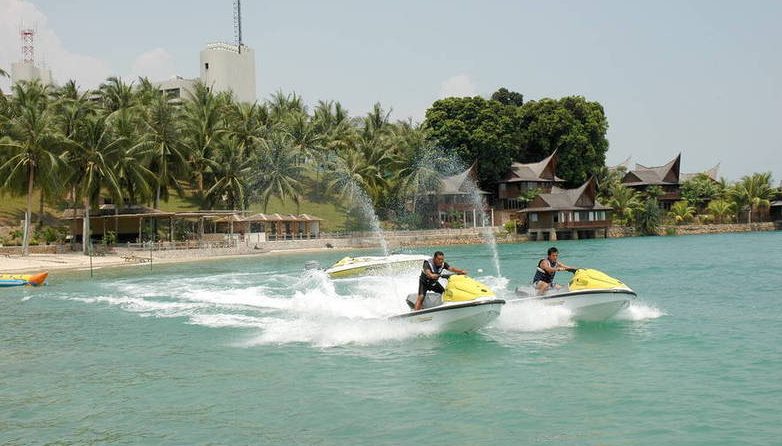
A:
[477,130]
[92,156]
[507,97]
[279,172]
[700,190]
[753,192]
[681,212]
[624,201]
[163,139]
[32,146]
[232,171]
[647,218]
[721,210]
[573,126]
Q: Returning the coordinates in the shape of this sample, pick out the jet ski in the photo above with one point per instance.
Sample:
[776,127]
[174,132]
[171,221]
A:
[465,306]
[360,266]
[591,295]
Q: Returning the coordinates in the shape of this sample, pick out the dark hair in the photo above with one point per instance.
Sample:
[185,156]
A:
[438,253]
[552,250]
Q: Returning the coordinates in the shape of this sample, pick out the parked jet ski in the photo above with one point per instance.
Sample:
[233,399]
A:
[465,306]
[591,295]
[359,266]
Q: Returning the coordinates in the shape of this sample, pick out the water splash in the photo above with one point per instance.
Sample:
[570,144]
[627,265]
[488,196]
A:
[638,311]
[356,194]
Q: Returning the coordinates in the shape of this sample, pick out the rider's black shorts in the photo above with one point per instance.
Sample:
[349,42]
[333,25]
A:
[429,285]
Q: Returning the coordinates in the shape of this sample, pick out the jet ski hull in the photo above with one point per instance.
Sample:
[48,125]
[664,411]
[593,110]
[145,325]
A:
[459,317]
[587,305]
[364,266]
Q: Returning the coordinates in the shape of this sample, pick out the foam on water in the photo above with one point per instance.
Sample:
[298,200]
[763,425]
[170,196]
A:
[532,316]
[638,311]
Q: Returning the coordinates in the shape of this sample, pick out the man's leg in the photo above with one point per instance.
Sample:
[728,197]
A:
[542,287]
[419,302]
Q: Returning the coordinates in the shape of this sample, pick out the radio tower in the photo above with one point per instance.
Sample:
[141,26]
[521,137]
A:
[28,45]
[238,24]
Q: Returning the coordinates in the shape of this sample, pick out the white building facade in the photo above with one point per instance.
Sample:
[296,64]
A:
[226,67]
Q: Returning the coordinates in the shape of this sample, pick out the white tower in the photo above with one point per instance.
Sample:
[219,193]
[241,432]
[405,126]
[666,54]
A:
[227,67]
[26,70]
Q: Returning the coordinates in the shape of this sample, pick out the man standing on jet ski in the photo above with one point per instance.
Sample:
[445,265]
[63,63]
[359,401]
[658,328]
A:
[432,269]
[547,268]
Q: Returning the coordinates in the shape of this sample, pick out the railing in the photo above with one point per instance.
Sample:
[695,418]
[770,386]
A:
[584,224]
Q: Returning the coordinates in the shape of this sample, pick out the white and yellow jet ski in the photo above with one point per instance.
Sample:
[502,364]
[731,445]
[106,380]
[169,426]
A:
[359,266]
[591,295]
[465,306]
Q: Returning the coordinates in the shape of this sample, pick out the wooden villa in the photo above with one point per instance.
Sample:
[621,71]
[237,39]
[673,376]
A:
[454,202]
[667,176]
[568,214]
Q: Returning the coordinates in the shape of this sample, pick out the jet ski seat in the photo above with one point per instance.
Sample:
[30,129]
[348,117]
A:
[430,300]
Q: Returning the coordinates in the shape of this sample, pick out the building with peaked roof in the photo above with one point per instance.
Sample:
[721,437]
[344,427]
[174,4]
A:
[568,214]
[667,176]
[458,201]
[524,177]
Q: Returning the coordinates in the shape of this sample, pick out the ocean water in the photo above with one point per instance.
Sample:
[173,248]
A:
[257,351]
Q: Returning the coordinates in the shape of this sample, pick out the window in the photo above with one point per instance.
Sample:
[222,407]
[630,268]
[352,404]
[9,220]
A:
[533,217]
[206,66]
[556,217]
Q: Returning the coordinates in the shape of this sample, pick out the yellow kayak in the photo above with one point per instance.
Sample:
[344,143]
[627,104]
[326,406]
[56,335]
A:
[7,280]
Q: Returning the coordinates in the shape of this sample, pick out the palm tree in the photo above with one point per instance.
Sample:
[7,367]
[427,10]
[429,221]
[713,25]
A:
[721,210]
[681,211]
[116,94]
[202,127]
[32,146]
[231,173]
[753,192]
[162,138]
[647,217]
[135,153]
[624,200]
[280,173]
[92,156]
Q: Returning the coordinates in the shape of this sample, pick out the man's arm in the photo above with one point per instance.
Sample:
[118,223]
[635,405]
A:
[456,270]
[545,265]
[562,267]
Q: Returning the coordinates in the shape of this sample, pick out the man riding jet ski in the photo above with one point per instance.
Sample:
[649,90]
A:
[464,305]
[591,295]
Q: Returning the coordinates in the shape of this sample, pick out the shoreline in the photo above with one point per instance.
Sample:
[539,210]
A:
[76,261]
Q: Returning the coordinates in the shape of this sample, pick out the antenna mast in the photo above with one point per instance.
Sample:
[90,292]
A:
[28,44]
[238,24]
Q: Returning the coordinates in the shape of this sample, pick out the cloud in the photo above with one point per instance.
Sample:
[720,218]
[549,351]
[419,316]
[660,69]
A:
[156,64]
[457,86]
[49,49]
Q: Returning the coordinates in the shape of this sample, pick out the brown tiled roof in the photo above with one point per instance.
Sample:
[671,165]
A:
[712,173]
[542,171]
[461,183]
[659,175]
[580,198]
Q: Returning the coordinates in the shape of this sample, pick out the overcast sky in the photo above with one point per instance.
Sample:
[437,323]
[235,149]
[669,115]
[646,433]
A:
[703,78]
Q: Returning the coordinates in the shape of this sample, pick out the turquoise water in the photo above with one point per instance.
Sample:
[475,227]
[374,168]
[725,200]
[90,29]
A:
[256,351]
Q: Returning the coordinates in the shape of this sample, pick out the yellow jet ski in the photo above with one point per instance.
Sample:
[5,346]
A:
[591,295]
[465,306]
[371,265]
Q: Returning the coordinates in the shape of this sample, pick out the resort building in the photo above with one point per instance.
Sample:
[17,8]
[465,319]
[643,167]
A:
[177,89]
[458,202]
[525,177]
[229,68]
[668,177]
[568,214]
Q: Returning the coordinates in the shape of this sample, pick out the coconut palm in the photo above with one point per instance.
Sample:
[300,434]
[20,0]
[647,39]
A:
[625,201]
[162,137]
[203,126]
[92,155]
[681,212]
[32,146]
[280,174]
[721,210]
[753,192]
[116,94]
[231,173]
[132,171]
